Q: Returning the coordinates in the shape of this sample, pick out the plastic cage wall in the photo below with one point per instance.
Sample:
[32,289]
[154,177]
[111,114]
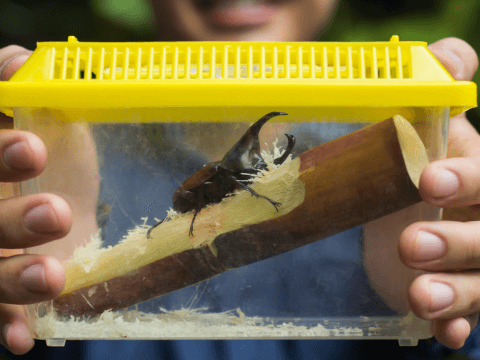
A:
[127,125]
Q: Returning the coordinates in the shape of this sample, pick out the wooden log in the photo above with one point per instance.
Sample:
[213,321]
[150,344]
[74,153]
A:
[336,186]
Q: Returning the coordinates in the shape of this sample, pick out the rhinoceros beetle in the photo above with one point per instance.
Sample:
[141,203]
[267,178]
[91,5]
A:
[210,184]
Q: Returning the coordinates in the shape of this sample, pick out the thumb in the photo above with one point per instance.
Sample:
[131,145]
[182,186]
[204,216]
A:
[11,58]
[457,56]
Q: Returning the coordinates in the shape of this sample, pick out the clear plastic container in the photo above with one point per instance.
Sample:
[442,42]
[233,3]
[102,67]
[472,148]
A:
[314,257]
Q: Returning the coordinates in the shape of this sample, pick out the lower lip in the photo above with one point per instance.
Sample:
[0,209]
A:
[243,15]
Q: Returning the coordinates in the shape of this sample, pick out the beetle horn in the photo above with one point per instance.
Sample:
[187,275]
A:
[244,153]
[251,136]
[255,128]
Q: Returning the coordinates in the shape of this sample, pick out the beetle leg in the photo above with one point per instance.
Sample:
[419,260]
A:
[153,227]
[253,192]
[260,164]
[191,225]
[288,150]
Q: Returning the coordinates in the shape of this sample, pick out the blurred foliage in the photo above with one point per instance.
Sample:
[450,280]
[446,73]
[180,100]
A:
[24,22]
[27,22]
[136,15]
[422,20]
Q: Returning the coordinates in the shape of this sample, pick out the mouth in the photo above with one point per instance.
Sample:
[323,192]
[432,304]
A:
[238,13]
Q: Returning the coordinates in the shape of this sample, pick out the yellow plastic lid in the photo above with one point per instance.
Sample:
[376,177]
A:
[85,75]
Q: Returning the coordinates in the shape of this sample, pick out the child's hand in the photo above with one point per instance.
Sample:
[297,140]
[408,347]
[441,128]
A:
[24,222]
[451,295]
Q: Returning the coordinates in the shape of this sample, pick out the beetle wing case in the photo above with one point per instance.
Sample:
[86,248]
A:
[304,248]
[185,197]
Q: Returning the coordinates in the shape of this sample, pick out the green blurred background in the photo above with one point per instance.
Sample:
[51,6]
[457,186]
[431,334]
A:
[24,22]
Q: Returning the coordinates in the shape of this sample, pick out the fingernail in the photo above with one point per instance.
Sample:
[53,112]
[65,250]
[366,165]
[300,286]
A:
[428,247]
[41,219]
[9,67]
[442,296]
[33,279]
[18,156]
[457,60]
[446,184]
[14,334]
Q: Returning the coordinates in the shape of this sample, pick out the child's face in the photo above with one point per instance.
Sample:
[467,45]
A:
[247,20]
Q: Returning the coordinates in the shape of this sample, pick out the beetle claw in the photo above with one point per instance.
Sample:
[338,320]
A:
[153,227]
[275,204]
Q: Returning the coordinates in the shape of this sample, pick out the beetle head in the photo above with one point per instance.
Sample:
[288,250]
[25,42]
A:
[245,154]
